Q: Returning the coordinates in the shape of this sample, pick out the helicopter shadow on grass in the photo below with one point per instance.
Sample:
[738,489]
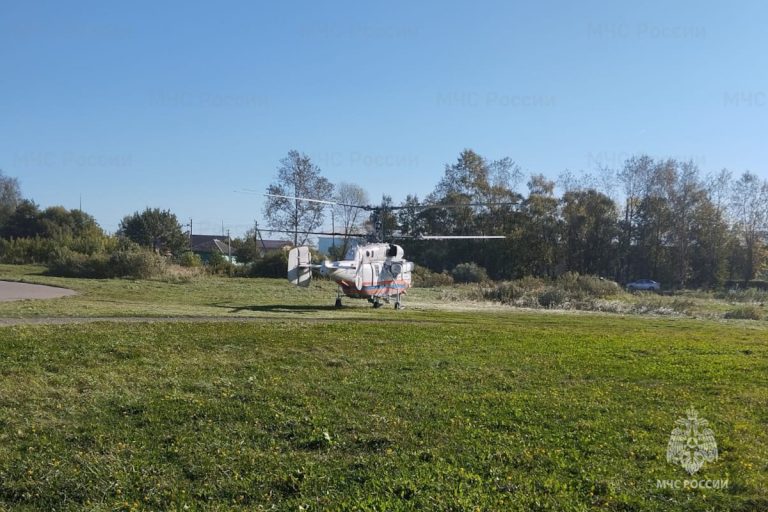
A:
[276,308]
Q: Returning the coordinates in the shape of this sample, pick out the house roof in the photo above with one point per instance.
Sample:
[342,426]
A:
[273,245]
[209,243]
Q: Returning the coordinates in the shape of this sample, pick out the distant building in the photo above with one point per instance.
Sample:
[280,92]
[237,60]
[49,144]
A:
[205,245]
[274,245]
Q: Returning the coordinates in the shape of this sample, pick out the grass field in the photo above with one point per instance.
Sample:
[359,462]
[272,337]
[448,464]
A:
[307,408]
[199,297]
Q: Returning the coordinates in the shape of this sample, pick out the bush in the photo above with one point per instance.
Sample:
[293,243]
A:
[190,260]
[745,313]
[19,251]
[67,263]
[137,264]
[127,261]
[273,264]
[506,292]
[216,259]
[469,273]
[581,287]
[534,291]
[422,277]
[553,297]
[744,295]
[521,292]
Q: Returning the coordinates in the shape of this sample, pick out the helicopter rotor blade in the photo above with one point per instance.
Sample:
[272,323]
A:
[333,203]
[326,233]
[369,207]
[459,237]
[292,198]
[444,205]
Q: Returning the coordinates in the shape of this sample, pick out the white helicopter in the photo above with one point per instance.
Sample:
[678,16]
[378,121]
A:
[377,271]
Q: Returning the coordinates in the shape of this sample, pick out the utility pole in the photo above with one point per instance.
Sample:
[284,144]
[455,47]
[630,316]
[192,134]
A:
[229,246]
[257,235]
[190,233]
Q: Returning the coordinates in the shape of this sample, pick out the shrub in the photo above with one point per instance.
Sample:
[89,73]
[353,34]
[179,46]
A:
[744,295]
[177,274]
[469,273]
[272,264]
[44,250]
[599,287]
[90,243]
[26,250]
[745,313]
[125,262]
[67,263]
[552,297]
[506,292]
[137,264]
[521,292]
[190,260]
[534,291]
[582,287]
[216,259]
[422,277]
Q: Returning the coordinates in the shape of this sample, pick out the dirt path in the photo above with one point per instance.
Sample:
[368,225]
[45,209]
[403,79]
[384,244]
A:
[22,291]
[10,322]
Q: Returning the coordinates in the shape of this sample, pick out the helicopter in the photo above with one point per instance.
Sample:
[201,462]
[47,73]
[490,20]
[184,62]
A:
[376,271]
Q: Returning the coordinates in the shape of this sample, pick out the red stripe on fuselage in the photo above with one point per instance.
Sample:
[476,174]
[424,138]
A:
[381,289]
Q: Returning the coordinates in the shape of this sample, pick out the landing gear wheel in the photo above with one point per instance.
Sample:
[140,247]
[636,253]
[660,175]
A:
[398,305]
[377,305]
[338,303]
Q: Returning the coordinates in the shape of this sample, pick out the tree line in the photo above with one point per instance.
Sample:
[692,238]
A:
[653,218]
[71,242]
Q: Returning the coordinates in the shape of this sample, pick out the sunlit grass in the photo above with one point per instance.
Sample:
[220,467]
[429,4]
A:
[456,412]
[222,297]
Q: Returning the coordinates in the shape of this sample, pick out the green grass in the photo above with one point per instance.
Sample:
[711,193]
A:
[439,407]
[199,297]
[222,297]
[471,412]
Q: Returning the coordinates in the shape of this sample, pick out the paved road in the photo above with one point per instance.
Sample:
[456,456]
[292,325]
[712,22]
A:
[20,291]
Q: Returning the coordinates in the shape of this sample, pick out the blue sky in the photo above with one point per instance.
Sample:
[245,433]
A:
[175,105]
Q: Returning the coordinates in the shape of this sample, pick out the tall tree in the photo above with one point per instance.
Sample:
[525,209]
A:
[686,195]
[708,253]
[539,246]
[23,222]
[635,180]
[749,205]
[10,196]
[297,177]
[410,217]
[590,229]
[154,228]
[349,218]
[382,221]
